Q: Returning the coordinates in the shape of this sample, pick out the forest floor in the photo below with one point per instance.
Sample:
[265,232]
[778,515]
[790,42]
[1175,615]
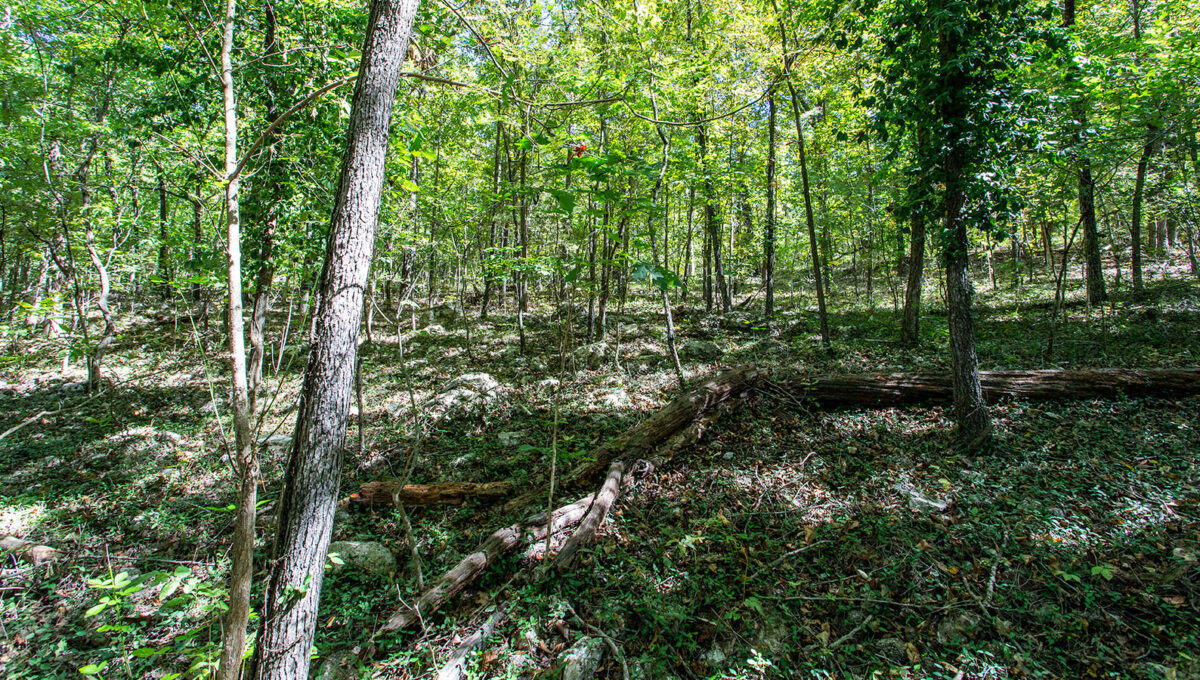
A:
[785,544]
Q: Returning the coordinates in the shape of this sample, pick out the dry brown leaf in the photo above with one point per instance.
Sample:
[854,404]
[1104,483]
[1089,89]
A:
[911,650]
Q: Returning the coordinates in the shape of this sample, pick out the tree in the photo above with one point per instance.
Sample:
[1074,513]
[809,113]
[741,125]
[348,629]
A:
[962,58]
[312,478]
[1094,273]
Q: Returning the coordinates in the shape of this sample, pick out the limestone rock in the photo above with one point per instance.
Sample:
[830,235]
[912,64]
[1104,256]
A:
[700,350]
[583,659]
[363,556]
[591,356]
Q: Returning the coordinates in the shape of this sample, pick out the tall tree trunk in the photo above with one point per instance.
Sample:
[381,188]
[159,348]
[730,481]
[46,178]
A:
[1139,192]
[1094,271]
[769,223]
[808,217]
[485,262]
[314,469]
[197,233]
[970,411]
[241,571]
[712,220]
[163,269]
[910,329]
[689,264]
[1190,232]
[666,301]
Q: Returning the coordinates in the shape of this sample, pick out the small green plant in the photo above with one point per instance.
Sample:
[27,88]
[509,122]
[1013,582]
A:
[180,596]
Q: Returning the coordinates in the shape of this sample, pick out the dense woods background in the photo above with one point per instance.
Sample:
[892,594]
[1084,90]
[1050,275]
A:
[572,214]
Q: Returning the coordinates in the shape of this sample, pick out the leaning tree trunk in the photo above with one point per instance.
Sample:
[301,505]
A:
[314,469]
[808,217]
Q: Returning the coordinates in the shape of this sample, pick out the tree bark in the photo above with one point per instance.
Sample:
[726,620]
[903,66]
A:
[163,270]
[591,522]
[1139,192]
[266,265]
[910,330]
[466,571]
[311,482]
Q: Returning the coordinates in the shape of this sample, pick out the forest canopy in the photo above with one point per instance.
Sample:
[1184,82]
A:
[310,294]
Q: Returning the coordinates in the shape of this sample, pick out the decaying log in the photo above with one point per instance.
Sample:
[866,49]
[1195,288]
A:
[897,389]
[388,494]
[531,530]
[593,519]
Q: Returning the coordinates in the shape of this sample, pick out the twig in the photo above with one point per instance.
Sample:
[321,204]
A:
[28,421]
[852,633]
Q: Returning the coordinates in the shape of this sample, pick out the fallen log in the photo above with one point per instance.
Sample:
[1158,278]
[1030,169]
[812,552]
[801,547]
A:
[682,422]
[532,530]
[388,494]
[898,389]
[593,519]
[643,439]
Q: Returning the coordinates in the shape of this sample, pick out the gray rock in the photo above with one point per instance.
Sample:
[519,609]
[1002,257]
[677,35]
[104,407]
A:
[919,503]
[469,391]
[892,649]
[953,628]
[477,382]
[365,556]
[583,659]
[29,551]
[616,398]
[337,666]
[446,314]
[715,657]
[592,355]
[700,350]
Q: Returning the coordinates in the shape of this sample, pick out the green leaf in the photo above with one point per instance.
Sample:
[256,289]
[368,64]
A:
[565,199]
